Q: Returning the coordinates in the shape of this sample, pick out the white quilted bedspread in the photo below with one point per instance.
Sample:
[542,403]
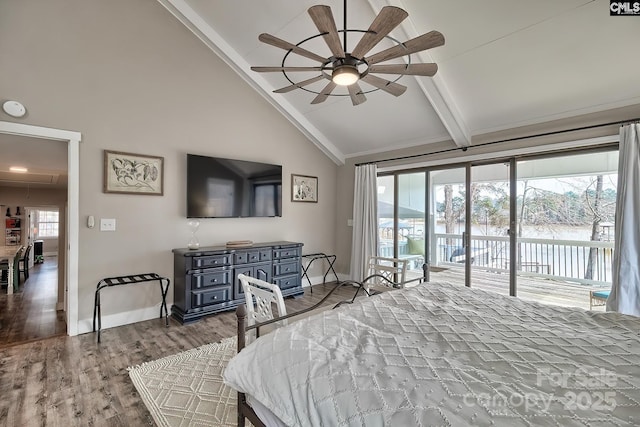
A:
[444,355]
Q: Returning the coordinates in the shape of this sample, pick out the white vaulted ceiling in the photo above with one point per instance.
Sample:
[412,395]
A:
[505,63]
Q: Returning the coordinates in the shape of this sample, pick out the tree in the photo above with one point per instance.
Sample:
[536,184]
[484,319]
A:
[595,226]
[449,220]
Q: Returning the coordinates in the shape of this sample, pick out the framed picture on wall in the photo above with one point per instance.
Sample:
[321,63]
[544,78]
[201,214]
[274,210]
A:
[304,188]
[129,173]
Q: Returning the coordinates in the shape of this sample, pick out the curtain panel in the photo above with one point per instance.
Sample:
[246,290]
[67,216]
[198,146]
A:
[625,291]
[364,242]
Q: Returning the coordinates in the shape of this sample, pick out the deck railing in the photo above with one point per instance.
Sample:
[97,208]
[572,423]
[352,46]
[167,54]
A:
[555,259]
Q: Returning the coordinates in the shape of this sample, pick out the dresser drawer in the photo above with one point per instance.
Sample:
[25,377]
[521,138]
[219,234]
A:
[211,296]
[240,258]
[265,254]
[248,257]
[286,282]
[286,253]
[210,261]
[217,278]
[284,268]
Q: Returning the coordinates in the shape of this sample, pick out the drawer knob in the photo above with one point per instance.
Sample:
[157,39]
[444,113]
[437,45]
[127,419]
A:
[214,280]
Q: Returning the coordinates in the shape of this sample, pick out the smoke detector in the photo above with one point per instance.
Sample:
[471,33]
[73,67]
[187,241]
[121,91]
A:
[14,109]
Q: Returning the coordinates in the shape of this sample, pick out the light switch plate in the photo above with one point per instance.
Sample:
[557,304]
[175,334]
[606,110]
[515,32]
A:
[107,224]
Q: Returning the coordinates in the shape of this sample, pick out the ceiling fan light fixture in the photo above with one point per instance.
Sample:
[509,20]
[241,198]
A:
[345,75]
[346,68]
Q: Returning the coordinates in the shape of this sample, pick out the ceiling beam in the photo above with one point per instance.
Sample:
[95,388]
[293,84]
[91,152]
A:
[434,88]
[190,19]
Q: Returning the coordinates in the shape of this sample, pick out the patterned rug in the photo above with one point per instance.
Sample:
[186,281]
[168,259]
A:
[186,389]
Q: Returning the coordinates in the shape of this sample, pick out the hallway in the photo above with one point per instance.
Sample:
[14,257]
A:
[30,314]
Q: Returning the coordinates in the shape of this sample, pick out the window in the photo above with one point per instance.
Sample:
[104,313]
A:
[47,224]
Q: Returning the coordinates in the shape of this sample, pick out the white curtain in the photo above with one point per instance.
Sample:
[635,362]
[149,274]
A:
[364,242]
[625,292]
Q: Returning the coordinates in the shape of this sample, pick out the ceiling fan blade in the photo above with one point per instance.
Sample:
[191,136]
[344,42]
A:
[393,88]
[323,18]
[287,69]
[325,93]
[428,70]
[388,18]
[420,43]
[355,92]
[282,44]
[299,85]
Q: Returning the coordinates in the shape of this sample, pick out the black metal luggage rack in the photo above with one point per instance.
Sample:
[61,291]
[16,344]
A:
[128,280]
[331,259]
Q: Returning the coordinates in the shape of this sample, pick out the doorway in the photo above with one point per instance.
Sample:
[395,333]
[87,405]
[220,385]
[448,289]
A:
[71,214]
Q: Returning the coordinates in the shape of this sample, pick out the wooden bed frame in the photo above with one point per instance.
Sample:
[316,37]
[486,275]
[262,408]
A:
[244,409]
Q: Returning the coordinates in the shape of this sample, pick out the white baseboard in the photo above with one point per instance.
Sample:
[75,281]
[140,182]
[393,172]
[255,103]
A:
[120,319]
[50,253]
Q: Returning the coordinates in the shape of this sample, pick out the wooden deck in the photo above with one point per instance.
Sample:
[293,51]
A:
[554,292]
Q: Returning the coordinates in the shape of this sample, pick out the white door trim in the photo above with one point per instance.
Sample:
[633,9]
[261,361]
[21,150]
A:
[73,209]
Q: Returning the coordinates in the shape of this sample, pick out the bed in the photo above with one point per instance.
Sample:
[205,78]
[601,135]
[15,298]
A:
[444,354]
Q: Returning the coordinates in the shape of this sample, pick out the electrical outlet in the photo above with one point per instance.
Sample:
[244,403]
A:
[107,224]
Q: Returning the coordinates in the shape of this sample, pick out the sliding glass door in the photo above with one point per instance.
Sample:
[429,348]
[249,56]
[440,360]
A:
[469,217]
[446,225]
[540,228]
[401,220]
[489,247]
[411,204]
[386,216]
[566,213]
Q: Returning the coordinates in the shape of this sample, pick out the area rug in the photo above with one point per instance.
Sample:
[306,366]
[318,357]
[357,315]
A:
[186,389]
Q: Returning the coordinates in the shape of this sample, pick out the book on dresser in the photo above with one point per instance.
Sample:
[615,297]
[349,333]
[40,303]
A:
[205,280]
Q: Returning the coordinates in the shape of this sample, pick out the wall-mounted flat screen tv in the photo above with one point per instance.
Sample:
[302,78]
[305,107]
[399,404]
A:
[228,188]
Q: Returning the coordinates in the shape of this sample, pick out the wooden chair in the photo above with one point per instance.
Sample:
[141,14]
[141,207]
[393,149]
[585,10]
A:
[16,265]
[259,298]
[23,266]
[386,273]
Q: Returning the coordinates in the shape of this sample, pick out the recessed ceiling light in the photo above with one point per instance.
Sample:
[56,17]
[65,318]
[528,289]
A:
[18,169]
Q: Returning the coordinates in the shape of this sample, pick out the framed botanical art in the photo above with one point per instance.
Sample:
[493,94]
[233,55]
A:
[129,173]
[304,188]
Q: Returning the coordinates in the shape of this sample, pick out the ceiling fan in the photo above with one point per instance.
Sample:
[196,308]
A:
[347,69]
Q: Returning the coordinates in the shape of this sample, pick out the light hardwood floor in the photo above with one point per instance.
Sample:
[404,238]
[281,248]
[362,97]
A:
[74,381]
[30,314]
